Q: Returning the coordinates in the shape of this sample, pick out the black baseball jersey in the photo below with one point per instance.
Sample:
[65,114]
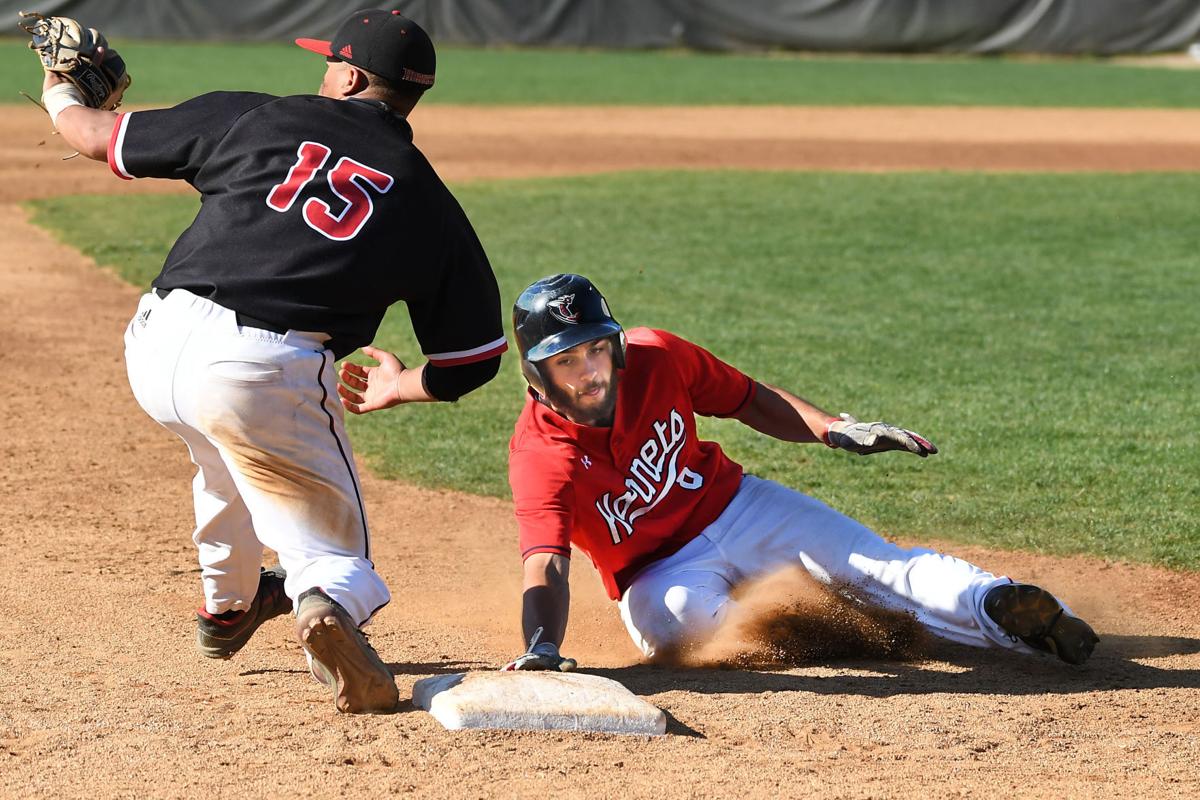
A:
[317,214]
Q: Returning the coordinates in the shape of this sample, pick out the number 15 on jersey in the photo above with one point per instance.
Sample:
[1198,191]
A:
[349,180]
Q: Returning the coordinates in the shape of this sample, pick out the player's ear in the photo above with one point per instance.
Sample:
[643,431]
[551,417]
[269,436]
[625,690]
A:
[356,81]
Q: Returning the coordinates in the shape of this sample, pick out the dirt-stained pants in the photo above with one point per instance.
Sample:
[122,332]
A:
[682,599]
[259,413]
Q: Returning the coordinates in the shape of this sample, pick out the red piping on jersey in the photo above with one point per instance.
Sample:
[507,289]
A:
[112,148]
[555,549]
[470,359]
[751,391]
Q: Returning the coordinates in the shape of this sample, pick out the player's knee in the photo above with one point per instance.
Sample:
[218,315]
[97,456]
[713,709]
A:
[693,608]
[664,621]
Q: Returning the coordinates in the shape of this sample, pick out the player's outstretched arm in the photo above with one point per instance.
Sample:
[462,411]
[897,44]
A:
[545,605]
[370,388]
[782,415]
[85,129]
[84,79]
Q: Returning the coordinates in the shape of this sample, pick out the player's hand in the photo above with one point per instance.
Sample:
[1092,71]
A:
[366,388]
[50,79]
[866,438]
[542,656]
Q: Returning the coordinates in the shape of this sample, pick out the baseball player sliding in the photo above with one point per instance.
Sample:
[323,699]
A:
[605,457]
[318,214]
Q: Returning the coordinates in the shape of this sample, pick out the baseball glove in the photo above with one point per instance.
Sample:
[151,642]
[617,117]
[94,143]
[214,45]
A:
[79,54]
[540,656]
[544,656]
[866,438]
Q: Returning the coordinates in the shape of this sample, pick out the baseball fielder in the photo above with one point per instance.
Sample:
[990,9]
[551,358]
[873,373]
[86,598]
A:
[318,213]
[605,457]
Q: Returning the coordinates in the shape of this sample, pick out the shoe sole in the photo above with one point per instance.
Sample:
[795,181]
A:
[360,682]
[1034,615]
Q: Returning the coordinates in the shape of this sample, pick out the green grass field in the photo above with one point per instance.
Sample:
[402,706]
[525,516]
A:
[1041,329]
[167,73]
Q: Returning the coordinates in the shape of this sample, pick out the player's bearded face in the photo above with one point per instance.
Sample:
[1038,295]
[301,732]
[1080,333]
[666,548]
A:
[582,383]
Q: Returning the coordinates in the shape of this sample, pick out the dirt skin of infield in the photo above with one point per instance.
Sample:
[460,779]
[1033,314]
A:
[104,695]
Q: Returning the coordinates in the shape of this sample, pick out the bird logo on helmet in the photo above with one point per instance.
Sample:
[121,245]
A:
[561,308]
[557,313]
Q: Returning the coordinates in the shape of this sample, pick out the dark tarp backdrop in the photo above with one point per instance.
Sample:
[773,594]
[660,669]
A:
[964,26]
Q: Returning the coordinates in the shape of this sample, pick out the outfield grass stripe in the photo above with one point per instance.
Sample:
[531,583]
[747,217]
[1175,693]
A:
[170,72]
[1041,329]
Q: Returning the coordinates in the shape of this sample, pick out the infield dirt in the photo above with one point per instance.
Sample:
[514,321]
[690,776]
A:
[104,695]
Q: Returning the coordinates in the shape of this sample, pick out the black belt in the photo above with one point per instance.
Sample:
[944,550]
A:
[244,320]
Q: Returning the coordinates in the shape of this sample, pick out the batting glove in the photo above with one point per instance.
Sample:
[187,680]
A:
[543,656]
[866,438]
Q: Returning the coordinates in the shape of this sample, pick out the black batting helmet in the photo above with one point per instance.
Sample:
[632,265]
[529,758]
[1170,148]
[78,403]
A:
[557,313]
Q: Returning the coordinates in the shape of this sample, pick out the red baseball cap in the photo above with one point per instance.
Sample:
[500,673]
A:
[386,43]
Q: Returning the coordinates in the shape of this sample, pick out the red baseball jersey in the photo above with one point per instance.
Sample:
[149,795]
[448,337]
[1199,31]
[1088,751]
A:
[634,493]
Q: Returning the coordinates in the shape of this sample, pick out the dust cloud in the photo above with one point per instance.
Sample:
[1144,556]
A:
[788,619]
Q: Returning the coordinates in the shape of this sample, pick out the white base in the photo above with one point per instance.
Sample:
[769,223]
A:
[548,701]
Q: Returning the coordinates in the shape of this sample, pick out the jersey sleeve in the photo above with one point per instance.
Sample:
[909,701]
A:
[458,321]
[176,142]
[544,503]
[716,388]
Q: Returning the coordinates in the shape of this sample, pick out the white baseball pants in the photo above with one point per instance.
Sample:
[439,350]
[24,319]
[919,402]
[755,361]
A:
[682,599]
[260,416]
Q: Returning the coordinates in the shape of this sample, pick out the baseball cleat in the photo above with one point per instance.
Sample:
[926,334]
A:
[222,635]
[341,657]
[1034,616]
